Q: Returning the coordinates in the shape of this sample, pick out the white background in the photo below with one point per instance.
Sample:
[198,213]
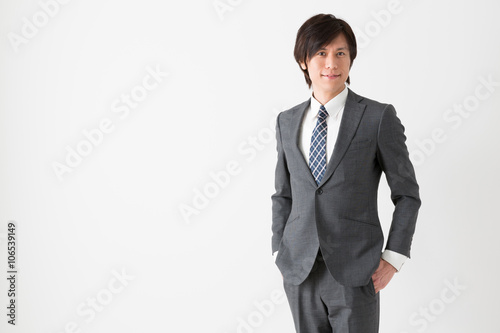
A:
[229,72]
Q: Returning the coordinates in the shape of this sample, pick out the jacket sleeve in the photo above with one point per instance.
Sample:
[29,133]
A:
[394,159]
[282,198]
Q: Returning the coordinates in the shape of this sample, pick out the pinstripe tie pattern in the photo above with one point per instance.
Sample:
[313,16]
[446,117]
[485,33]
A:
[317,152]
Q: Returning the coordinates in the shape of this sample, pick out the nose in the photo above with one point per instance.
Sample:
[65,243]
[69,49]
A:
[331,62]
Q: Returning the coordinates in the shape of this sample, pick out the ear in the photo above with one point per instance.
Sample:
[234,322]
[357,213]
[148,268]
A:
[303,65]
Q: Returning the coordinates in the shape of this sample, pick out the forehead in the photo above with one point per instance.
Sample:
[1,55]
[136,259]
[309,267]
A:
[338,42]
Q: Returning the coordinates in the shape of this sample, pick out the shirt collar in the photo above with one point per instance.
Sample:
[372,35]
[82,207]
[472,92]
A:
[333,106]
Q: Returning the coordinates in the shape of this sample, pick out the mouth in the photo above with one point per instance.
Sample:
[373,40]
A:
[330,76]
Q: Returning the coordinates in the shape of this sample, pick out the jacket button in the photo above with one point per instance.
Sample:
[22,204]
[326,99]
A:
[320,191]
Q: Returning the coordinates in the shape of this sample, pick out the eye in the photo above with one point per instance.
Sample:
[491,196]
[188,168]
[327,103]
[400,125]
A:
[321,53]
[341,53]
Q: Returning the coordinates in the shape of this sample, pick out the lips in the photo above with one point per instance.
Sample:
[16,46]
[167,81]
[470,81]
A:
[330,76]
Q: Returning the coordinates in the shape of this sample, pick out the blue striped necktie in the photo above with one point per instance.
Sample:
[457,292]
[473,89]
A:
[317,152]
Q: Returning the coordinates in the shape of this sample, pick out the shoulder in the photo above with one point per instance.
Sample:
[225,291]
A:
[373,110]
[297,108]
[296,111]
[370,103]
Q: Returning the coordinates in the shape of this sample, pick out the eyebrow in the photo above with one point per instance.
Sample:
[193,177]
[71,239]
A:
[338,49]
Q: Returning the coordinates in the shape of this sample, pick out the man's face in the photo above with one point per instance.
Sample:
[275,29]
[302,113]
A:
[329,69]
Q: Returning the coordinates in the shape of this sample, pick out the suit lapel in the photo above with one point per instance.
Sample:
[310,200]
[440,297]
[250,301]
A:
[295,125]
[353,111]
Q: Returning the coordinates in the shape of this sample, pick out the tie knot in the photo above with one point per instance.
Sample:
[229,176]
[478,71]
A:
[322,112]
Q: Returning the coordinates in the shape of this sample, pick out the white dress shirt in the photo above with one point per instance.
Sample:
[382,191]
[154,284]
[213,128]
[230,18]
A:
[335,109]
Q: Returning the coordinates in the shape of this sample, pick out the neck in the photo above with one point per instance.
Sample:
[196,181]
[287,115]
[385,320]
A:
[325,96]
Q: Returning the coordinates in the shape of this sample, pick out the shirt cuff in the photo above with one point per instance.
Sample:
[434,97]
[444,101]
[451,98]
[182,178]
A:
[395,259]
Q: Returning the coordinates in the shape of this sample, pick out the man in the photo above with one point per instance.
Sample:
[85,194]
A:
[332,149]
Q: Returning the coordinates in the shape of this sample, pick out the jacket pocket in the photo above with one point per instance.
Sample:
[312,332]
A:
[288,224]
[371,288]
[359,221]
[360,144]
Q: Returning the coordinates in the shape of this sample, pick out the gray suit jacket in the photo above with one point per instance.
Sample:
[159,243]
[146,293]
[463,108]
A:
[340,215]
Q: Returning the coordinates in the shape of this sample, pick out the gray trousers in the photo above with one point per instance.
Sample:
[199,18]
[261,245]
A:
[321,305]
